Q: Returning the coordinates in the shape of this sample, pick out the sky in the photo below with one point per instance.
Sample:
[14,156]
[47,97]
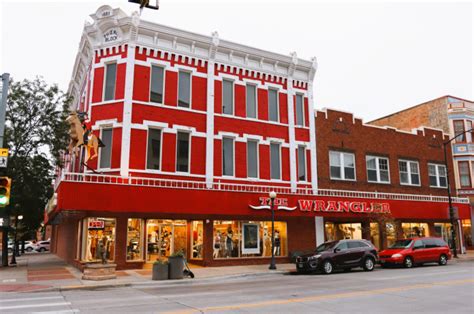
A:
[374,57]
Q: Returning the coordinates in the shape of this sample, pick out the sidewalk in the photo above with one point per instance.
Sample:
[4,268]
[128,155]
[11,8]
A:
[44,271]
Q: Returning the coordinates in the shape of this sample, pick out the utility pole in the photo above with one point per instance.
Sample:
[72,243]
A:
[6,215]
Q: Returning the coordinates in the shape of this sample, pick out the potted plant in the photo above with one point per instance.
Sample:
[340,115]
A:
[176,265]
[160,270]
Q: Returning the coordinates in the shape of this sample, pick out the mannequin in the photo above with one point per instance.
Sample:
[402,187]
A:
[277,251]
[266,241]
[217,245]
[228,242]
[88,249]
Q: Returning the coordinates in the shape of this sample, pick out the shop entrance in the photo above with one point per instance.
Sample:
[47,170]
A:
[340,231]
[164,237]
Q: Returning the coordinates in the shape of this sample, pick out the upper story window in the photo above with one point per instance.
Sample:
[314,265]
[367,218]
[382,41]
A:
[299,110]
[184,89]
[275,163]
[409,172]
[342,165]
[105,158]
[153,155]
[228,156]
[182,152]
[227,97]
[459,129]
[251,97]
[301,163]
[252,159]
[464,174]
[437,174]
[273,105]
[469,127]
[110,76]
[377,169]
[156,87]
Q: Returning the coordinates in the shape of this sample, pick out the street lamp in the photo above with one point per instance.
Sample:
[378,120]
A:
[448,186]
[15,246]
[273,196]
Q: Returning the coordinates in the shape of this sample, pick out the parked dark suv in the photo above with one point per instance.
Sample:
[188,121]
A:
[342,254]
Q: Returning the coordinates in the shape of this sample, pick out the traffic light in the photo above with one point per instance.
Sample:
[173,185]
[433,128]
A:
[5,186]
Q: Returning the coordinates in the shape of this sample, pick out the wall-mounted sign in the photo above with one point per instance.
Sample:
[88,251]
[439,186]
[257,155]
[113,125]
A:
[111,35]
[96,224]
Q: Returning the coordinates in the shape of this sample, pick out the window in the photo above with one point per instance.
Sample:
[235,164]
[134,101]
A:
[275,161]
[156,88]
[437,175]
[251,97]
[110,74]
[184,89]
[301,163]
[227,156]
[418,245]
[227,97]
[409,172]
[197,236]
[106,151]
[459,129]
[413,230]
[252,159]
[342,246]
[134,239]
[98,237]
[342,166]
[464,173]
[182,162]
[469,127]
[377,169]
[273,105]
[299,110]
[154,149]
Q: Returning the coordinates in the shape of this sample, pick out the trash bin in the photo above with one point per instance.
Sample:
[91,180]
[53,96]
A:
[176,267]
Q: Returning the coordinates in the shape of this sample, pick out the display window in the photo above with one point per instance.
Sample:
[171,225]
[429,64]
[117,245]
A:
[375,234]
[391,233]
[341,231]
[98,239]
[197,231]
[134,239]
[241,239]
[466,231]
[413,230]
[165,237]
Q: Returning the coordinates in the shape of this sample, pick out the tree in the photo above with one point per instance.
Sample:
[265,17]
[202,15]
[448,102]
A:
[35,133]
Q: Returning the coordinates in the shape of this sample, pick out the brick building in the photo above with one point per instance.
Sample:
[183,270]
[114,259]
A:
[197,132]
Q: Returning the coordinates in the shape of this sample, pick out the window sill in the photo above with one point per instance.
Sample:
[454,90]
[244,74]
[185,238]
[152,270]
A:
[345,180]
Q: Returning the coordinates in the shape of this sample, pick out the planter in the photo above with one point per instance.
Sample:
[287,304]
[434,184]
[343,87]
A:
[176,265]
[160,272]
[99,271]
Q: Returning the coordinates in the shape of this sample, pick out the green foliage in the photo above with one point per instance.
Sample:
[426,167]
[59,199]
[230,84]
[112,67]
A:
[161,261]
[35,133]
[179,253]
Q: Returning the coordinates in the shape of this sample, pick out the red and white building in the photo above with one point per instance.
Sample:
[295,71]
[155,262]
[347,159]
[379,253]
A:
[198,131]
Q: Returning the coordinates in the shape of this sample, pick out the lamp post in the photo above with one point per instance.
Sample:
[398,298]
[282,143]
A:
[272,196]
[15,246]
[448,186]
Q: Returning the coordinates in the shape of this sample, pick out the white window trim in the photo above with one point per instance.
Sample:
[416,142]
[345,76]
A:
[281,172]
[258,158]
[161,147]
[305,164]
[105,81]
[164,83]
[190,90]
[107,127]
[233,157]
[438,184]
[409,172]
[343,172]
[377,165]
[233,98]
[302,110]
[256,100]
[189,152]
[277,104]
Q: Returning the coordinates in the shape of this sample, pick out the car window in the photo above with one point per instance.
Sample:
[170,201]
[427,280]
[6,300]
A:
[440,242]
[429,243]
[342,246]
[418,244]
[353,245]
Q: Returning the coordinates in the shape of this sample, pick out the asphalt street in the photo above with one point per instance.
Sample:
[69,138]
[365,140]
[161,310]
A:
[430,289]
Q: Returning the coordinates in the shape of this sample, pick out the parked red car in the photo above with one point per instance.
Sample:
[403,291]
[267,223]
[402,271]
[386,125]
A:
[410,252]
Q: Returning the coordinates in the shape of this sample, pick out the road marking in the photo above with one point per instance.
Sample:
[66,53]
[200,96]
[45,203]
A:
[330,296]
[9,280]
[57,312]
[30,299]
[419,275]
[33,305]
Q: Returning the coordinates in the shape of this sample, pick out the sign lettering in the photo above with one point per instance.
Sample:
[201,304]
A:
[96,224]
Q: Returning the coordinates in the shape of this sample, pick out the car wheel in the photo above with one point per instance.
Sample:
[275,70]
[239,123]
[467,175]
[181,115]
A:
[327,267]
[443,260]
[42,249]
[369,264]
[408,262]
[30,249]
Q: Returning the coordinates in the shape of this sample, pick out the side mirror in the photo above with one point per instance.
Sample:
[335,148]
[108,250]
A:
[337,250]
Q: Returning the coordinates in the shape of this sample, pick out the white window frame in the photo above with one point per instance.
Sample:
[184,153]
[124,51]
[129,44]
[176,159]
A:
[233,97]
[190,90]
[377,165]
[161,147]
[164,83]
[256,100]
[189,152]
[409,173]
[106,127]
[258,159]
[233,157]
[437,166]
[302,110]
[343,172]
[277,104]
[279,152]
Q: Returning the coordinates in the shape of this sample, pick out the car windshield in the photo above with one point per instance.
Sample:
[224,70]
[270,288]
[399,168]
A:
[401,244]
[326,246]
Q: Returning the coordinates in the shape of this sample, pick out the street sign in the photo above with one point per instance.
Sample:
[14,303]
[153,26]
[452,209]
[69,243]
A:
[3,152]
[3,157]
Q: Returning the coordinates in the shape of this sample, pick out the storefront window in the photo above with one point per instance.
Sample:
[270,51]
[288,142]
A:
[375,234]
[165,237]
[466,231]
[340,231]
[391,233]
[197,239]
[134,239]
[412,230]
[234,239]
[442,230]
[98,238]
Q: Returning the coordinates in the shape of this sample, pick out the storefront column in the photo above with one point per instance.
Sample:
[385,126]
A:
[399,229]
[120,242]
[431,229]
[365,230]
[207,242]
[319,227]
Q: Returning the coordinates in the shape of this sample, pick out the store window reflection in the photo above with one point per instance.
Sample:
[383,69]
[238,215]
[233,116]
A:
[98,239]
[340,231]
[134,239]
[197,239]
[413,230]
[165,237]
[375,234]
[391,233]
[466,231]
[234,239]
